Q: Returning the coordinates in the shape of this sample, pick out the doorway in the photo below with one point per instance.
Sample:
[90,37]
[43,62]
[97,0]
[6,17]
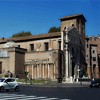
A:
[73,67]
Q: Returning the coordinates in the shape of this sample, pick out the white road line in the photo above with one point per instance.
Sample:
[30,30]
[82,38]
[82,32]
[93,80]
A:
[19,97]
[5,96]
[65,99]
[50,99]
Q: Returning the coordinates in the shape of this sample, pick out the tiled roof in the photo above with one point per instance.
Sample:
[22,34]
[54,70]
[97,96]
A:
[33,37]
[73,16]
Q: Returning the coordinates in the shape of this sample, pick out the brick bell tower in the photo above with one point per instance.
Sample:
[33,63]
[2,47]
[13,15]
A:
[78,21]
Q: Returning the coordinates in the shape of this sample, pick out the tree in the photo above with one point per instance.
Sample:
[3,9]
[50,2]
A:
[21,34]
[54,29]
[98,35]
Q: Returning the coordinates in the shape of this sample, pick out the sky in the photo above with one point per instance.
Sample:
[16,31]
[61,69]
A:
[38,16]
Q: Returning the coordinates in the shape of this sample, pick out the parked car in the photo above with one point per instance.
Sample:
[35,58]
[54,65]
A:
[95,83]
[8,84]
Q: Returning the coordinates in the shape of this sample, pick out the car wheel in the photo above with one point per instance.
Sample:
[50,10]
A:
[96,86]
[17,88]
[99,85]
[7,90]
[1,88]
[91,86]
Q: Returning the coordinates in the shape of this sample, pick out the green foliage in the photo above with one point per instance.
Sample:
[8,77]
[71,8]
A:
[21,34]
[54,29]
[98,35]
[32,81]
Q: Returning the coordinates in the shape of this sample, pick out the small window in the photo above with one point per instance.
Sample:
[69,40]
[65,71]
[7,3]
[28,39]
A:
[46,46]
[59,45]
[32,47]
[93,51]
[18,46]
[94,58]
[73,25]
[87,45]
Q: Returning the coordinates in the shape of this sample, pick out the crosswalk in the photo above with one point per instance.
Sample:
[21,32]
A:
[6,96]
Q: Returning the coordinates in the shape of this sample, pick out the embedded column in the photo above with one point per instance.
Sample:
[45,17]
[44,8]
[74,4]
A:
[54,71]
[43,70]
[32,71]
[48,71]
[37,71]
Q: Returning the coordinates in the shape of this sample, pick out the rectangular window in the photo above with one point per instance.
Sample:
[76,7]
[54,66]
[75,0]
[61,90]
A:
[59,45]
[46,46]
[32,47]
[18,46]
[94,58]
[87,45]
[93,51]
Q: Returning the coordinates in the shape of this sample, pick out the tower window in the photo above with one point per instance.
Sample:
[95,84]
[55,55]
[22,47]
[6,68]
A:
[18,46]
[93,51]
[94,58]
[59,45]
[72,25]
[87,46]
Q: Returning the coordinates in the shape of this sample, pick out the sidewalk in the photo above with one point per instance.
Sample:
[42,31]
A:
[76,84]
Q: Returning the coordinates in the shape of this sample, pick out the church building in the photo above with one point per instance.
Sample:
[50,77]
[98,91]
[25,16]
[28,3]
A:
[56,56]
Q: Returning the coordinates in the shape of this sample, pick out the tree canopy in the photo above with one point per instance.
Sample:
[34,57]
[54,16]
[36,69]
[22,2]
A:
[21,34]
[54,29]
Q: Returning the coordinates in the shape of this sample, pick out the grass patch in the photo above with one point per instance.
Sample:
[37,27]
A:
[37,81]
[32,81]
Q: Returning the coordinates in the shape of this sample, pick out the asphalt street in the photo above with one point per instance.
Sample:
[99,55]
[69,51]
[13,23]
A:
[59,92]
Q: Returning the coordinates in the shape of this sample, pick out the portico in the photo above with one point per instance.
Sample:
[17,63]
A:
[41,69]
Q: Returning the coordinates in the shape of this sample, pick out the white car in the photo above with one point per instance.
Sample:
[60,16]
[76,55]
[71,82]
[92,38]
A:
[8,84]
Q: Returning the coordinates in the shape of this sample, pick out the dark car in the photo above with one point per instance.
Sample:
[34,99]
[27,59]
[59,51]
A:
[95,83]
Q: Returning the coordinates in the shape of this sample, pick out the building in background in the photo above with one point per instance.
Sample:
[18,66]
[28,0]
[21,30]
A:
[56,56]
[93,57]
[12,59]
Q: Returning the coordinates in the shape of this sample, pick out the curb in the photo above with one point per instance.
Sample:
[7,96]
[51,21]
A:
[83,84]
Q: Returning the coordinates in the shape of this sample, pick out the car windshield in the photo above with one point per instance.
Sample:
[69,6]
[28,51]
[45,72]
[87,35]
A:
[1,80]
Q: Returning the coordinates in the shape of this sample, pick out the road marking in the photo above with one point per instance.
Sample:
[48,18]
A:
[50,99]
[6,96]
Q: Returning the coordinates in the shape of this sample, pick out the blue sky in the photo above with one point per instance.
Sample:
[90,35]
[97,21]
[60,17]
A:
[37,16]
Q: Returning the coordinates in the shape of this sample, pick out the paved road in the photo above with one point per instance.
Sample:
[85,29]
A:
[6,96]
[70,92]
